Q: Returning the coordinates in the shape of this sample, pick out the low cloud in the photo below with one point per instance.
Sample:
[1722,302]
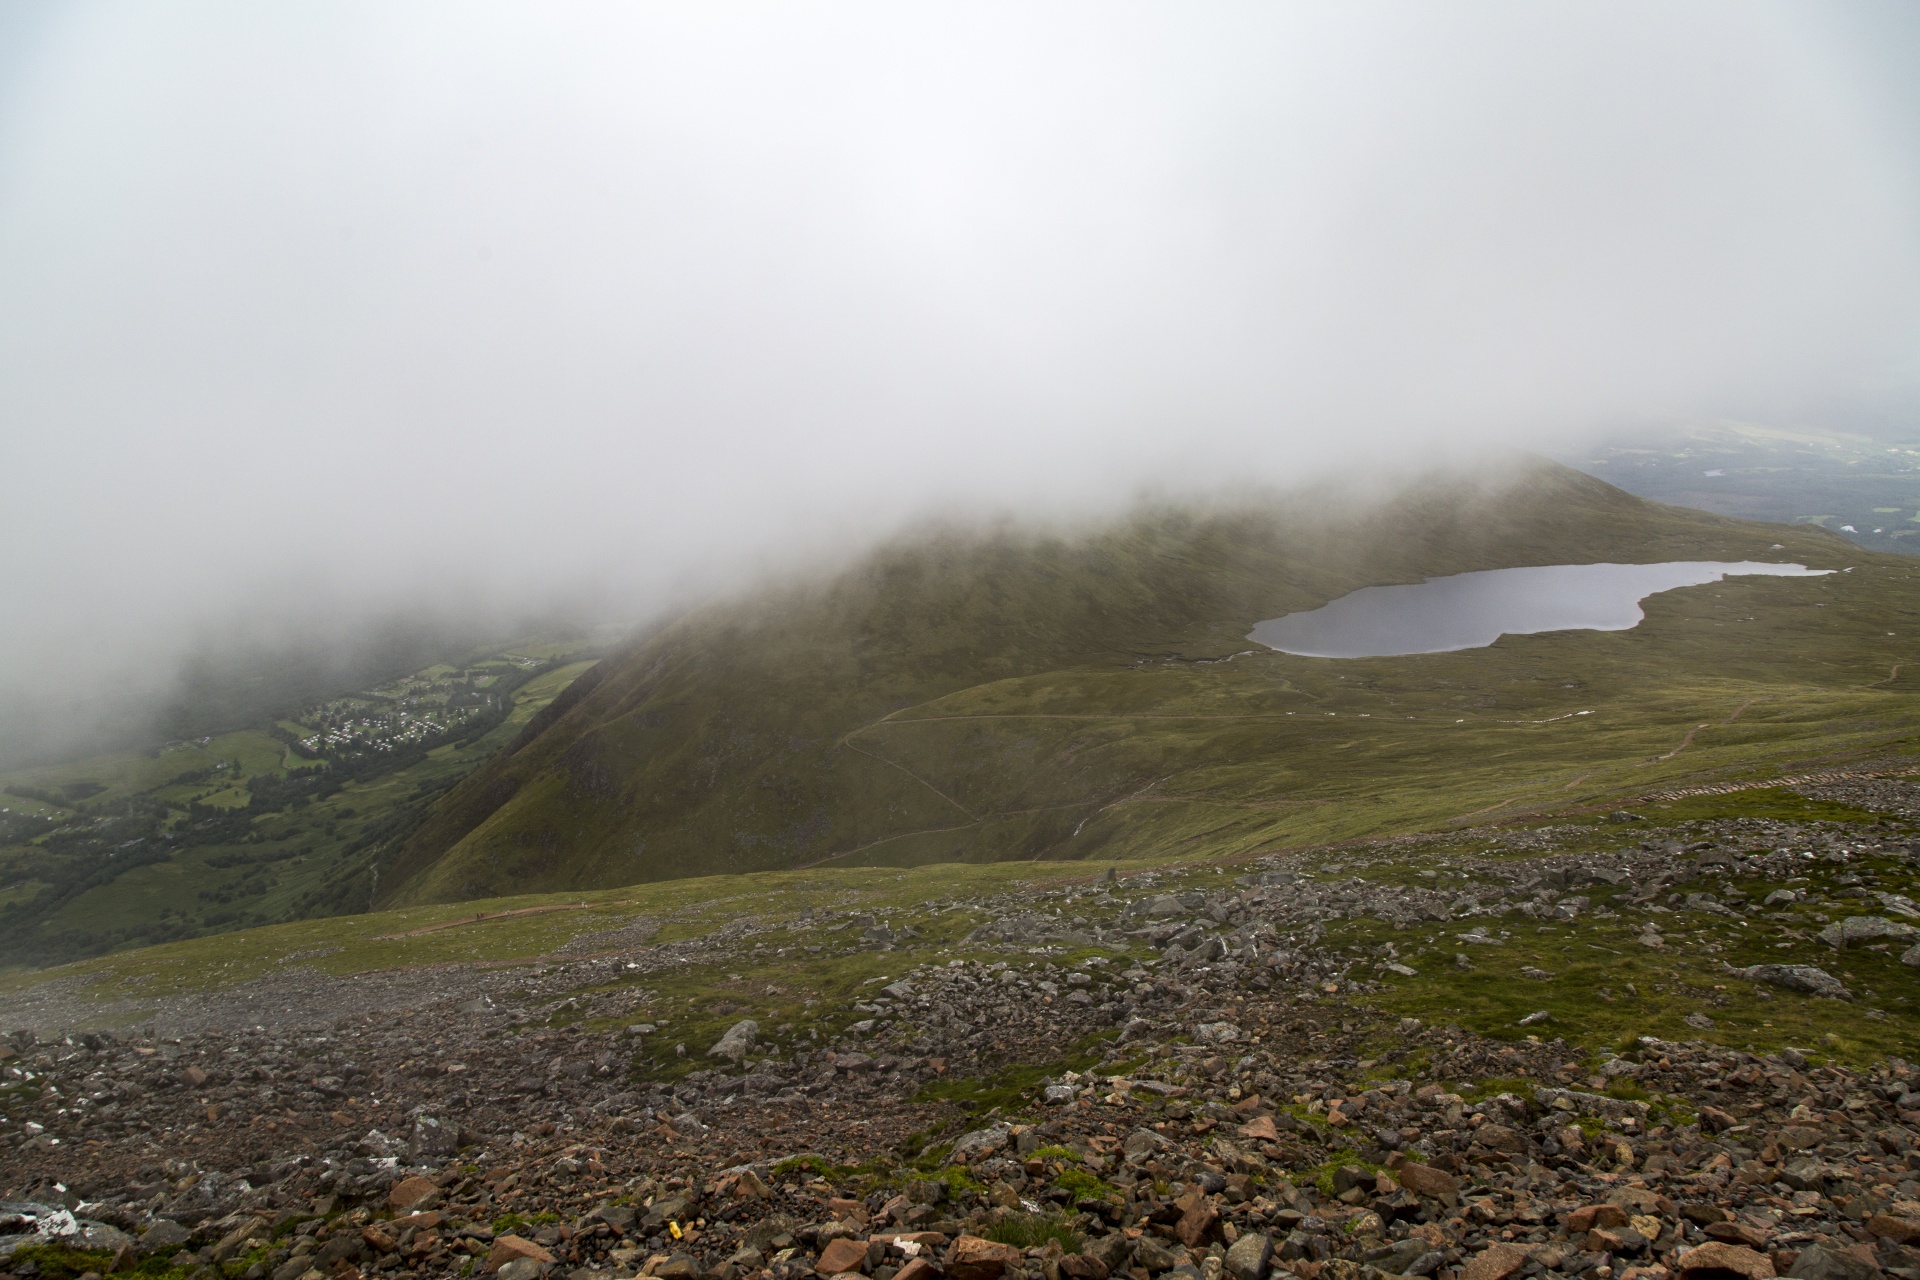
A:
[312,315]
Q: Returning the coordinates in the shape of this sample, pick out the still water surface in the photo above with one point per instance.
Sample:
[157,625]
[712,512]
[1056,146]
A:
[1472,610]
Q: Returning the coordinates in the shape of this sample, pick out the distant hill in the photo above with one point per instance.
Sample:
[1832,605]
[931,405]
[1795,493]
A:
[1000,694]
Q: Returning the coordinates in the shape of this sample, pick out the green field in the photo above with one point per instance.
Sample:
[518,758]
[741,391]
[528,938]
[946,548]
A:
[225,832]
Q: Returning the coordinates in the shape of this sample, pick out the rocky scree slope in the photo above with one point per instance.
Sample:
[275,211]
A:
[1150,1075]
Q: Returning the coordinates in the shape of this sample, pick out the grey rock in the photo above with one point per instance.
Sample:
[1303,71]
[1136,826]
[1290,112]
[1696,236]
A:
[1250,1257]
[165,1233]
[1598,1105]
[1110,1251]
[1797,977]
[980,1143]
[664,1210]
[737,1042]
[1152,1255]
[520,1269]
[1844,933]
[1805,1175]
[347,1246]
[766,1234]
[432,1140]
[1143,1144]
[1398,1257]
[1817,1262]
[618,1216]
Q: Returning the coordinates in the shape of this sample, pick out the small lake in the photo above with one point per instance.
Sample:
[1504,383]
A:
[1472,610]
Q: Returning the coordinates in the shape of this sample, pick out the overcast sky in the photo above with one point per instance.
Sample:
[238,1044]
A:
[344,305]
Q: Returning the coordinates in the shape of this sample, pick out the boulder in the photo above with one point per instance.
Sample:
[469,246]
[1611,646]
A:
[1425,1180]
[1152,1255]
[1110,1251]
[432,1140]
[1198,1220]
[664,1210]
[1811,979]
[1078,1266]
[1498,1137]
[410,1194]
[1595,1216]
[841,1256]
[1719,1261]
[165,1233]
[980,1143]
[1250,1257]
[737,1042]
[618,1216]
[1844,933]
[972,1258]
[509,1248]
[1898,1230]
[1496,1262]
[1818,1262]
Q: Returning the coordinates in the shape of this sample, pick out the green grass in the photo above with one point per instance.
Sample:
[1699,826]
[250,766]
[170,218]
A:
[1034,1230]
[1593,962]
[1006,1090]
[978,699]
[960,718]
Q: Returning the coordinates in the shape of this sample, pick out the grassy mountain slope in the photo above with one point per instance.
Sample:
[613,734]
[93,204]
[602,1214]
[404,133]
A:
[1008,695]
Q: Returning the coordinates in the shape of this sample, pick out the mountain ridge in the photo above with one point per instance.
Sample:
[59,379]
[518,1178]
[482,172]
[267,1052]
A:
[726,740]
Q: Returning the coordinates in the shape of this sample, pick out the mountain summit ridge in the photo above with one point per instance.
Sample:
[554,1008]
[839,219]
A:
[774,733]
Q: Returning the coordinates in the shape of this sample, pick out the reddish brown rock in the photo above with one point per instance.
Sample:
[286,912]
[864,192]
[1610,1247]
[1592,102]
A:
[509,1248]
[1198,1219]
[972,1258]
[1592,1216]
[1498,1137]
[1719,1261]
[921,1269]
[1799,1137]
[1641,1200]
[1496,1262]
[1899,1230]
[1713,1119]
[1076,1266]
[1425,1180]
[841,1256]
[1737,1233]
[408,1193]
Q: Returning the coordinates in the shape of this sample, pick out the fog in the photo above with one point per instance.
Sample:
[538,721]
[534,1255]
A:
[318,316]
